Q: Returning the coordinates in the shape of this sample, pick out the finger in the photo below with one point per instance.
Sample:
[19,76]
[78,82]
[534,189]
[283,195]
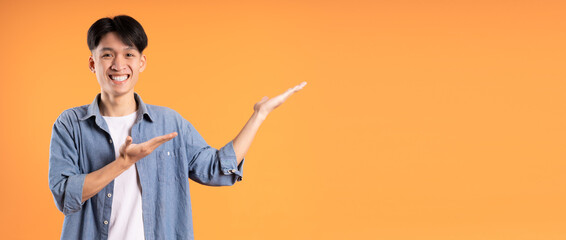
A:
[302,85]
[166,137]
[294,89]
[156,141]
[288,93]
[299,86]
[126,144]
[263,99]
[129,141]
[172,135]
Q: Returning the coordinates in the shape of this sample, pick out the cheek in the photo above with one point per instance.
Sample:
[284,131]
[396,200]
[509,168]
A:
[101,67]
[136,69]
[140,65]
[100,77]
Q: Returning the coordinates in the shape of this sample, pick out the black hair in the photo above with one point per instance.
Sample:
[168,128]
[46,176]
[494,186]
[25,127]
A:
[127,28]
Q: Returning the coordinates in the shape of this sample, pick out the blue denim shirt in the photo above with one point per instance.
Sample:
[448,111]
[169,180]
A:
[81,143]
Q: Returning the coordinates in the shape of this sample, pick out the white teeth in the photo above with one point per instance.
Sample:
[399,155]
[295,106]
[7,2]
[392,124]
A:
[119,79]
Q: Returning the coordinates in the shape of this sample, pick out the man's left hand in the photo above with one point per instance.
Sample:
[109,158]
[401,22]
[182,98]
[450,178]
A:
[266,105]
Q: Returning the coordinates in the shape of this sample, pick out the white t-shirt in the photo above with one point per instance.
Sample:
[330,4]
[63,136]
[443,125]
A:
[126,221]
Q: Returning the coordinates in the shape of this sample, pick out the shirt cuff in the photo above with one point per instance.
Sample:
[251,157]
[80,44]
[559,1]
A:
[74,193]
[228,161]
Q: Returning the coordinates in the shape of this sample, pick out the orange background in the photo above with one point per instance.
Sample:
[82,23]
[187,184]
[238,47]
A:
[421,119]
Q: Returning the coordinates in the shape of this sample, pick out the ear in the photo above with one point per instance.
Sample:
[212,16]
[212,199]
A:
[91,63]
[143,62]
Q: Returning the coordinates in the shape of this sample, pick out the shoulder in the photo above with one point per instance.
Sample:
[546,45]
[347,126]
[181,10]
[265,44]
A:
[68,120]
[72,114]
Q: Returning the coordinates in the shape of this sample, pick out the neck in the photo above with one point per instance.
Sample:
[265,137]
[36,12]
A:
[117,106]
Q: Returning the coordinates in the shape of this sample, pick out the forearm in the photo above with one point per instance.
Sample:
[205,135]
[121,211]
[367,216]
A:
[244,139]
[97,180]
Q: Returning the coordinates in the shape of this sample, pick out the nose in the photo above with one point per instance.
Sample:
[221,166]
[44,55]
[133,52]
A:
[118,64]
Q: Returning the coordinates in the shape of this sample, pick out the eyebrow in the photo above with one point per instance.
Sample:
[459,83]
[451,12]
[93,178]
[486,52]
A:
[112,49]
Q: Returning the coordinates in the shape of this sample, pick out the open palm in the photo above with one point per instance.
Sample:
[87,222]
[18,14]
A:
[132,152]
[266,105]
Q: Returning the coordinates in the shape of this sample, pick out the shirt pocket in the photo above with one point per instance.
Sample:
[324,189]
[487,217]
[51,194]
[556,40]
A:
[168,165]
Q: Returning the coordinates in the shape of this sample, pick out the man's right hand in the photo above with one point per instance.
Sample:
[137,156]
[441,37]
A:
[131,153]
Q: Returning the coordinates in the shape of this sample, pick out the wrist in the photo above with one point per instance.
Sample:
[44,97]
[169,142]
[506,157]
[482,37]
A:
[123,163]
[260,115]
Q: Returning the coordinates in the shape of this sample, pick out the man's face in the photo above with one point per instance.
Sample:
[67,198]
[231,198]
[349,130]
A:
[117,65]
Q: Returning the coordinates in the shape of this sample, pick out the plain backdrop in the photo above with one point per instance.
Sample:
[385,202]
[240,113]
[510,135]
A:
[421,119]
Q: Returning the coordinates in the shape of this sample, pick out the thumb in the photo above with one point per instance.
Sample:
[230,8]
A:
[126,144]
[128,141]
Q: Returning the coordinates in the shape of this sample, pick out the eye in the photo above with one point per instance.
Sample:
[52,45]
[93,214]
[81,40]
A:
[129,55]
[106,55]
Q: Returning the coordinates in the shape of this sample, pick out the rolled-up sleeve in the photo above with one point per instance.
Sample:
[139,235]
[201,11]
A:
[65,180]
[210,166]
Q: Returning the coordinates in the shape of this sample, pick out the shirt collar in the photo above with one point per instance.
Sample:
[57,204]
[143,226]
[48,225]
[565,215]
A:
[94,110]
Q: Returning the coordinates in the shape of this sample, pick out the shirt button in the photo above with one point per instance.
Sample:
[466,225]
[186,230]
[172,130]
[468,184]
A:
[168,153]
[105,222]
[109,195]
[110,140]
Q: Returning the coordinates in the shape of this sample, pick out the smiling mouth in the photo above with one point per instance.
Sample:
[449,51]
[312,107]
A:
[119,78]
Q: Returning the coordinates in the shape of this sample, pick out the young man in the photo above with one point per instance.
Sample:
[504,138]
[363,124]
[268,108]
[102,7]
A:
[119,168]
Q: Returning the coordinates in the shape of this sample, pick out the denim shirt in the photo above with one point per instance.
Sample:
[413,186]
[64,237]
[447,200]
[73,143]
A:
[81,144]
